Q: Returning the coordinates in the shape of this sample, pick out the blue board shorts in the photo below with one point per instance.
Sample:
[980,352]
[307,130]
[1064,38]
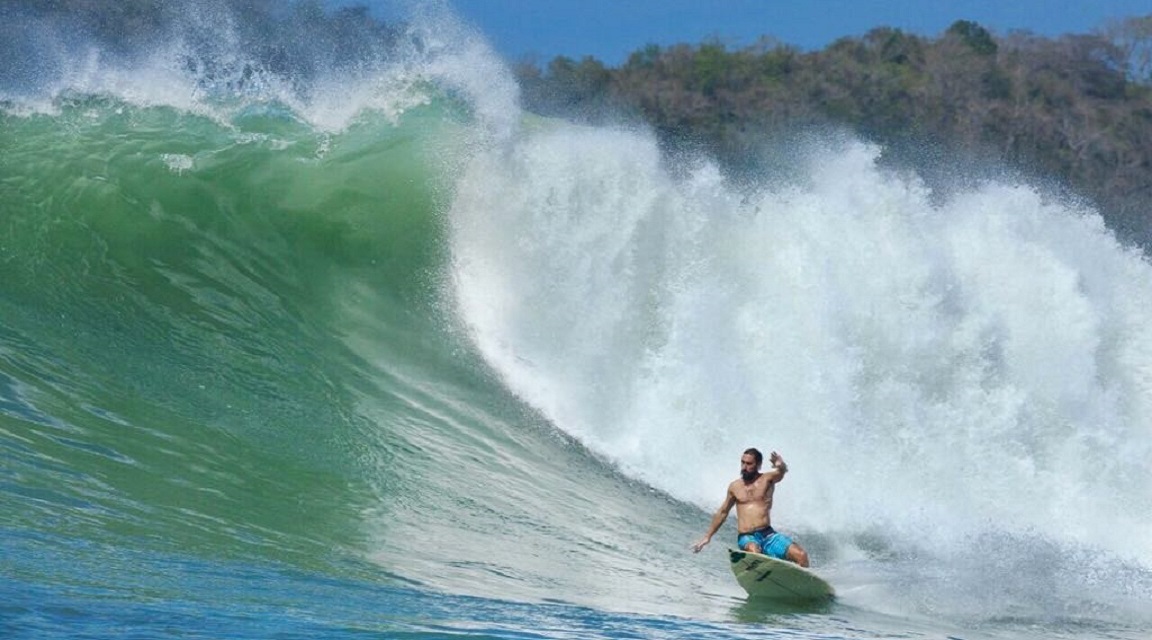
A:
[774,544]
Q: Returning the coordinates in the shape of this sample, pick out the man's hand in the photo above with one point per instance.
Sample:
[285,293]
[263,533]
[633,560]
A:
[699,544]
[777,461]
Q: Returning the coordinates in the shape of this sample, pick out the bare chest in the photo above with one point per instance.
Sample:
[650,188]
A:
[759,491]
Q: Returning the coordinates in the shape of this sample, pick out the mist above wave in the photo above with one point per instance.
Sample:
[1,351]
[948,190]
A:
[221,56]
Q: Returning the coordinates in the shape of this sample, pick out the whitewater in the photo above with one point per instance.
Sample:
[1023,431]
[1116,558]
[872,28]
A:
[353,345]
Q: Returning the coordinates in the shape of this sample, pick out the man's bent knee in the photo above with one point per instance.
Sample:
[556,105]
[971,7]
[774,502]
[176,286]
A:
[797,554]
[753,547]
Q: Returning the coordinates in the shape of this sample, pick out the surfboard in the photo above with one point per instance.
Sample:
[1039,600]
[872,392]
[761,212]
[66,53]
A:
[766,577]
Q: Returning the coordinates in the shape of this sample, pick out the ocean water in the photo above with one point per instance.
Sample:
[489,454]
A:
[357,348]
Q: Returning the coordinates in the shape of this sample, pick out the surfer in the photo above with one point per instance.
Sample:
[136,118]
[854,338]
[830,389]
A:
[751,494]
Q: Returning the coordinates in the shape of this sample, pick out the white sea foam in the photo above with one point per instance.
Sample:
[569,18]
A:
[207,67]
[951,375]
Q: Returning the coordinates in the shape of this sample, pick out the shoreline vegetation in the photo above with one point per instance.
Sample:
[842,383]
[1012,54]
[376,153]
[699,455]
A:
[1072,113]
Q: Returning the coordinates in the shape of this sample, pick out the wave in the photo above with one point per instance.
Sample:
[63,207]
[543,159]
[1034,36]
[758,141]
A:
[374,311]
[946,379]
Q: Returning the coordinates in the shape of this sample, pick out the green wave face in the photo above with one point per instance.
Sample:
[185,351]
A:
[238,339]
[175,358]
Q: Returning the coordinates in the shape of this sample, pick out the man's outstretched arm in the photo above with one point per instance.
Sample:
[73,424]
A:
[717,521]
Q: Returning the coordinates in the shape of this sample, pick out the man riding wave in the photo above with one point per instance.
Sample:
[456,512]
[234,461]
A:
[751,494]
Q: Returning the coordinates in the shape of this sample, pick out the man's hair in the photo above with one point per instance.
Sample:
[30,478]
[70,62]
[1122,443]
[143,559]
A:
[756,454]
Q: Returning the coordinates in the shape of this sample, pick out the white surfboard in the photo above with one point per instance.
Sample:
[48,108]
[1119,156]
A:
[766,577]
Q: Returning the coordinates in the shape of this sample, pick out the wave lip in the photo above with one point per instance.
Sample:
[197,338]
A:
[221,57]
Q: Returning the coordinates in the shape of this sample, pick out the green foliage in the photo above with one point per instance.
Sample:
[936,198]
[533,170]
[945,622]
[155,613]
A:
[646,58]
[974,36]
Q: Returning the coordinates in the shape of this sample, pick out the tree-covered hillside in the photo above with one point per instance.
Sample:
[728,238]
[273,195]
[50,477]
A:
[1076,109]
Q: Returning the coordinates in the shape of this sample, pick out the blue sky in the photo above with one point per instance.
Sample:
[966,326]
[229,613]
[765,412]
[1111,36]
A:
[611,29]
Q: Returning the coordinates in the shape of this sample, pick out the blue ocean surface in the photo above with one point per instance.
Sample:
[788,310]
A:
[77,591]
[324,337]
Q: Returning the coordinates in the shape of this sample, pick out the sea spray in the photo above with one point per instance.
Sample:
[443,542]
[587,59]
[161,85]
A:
[224,58]
[943,377]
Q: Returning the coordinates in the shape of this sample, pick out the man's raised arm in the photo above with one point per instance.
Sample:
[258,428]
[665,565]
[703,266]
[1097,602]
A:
[779,467]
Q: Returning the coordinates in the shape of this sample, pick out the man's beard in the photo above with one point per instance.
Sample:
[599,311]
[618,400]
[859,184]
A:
[749,476]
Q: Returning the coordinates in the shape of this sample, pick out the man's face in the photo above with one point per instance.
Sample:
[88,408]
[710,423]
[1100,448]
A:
[748,467]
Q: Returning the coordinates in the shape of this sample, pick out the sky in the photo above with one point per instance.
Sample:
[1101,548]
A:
[611,29]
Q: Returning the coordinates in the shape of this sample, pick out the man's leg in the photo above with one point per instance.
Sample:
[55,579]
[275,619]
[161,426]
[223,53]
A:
[752,542]
[797,554]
